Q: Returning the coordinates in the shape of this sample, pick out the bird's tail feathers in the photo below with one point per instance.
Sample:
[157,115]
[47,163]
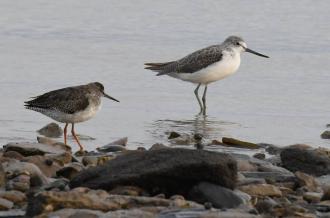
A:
[161,68]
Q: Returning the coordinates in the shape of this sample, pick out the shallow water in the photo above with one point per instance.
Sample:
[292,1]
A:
[45,45]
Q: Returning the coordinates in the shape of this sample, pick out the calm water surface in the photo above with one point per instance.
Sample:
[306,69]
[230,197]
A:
[46,45]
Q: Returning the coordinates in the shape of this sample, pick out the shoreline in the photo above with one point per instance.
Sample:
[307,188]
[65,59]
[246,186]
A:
[45,179]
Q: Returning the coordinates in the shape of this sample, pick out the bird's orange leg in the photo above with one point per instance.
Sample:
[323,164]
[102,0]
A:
[76,138]
[65,131]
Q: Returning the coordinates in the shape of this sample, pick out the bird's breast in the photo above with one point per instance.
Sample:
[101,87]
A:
[86,114]
[221,69]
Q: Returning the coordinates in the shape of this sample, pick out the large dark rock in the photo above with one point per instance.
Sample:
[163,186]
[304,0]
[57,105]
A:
[169,171]
[220,197]
[307,160]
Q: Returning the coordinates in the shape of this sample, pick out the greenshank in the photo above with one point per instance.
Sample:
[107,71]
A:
[206,65]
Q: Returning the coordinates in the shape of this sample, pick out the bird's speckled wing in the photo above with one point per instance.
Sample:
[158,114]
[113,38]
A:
[190,63]
[68,100]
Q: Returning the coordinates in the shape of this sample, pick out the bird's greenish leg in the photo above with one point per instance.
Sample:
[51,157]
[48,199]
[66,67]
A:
[204,100]
[199,101]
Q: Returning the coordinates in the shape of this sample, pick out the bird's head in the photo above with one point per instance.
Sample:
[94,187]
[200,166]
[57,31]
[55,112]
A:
[100,88]
[236,43]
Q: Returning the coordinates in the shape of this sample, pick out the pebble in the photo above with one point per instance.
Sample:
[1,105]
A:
[5,204]
[51,130]
[261,190]
[325,134]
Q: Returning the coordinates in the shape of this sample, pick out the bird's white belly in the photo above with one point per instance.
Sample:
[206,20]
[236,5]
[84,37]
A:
[217,71]
[77,117]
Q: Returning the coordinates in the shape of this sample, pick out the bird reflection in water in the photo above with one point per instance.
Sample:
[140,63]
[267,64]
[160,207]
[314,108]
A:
[208,127]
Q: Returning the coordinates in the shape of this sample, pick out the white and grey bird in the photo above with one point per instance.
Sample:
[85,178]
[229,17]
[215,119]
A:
[70,105]
[206,65]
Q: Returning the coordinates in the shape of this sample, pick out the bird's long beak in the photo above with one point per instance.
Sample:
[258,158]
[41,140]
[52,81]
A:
[108,96]
[256,53]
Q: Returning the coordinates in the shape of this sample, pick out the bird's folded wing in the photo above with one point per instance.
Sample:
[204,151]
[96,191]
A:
[199,60]
[67,100]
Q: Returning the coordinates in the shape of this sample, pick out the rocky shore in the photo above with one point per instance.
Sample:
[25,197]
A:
[46,179]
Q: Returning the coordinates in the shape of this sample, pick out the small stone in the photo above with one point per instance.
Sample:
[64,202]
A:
[80,153]
[111,148]
[52,130]
[246,165]
[61,158]
[259,156]
[161,195]
[49,162]
[312,197]
[208,205]
[96,160]
[70,170]
[325,134]
[271,149]
[261,190]
[47,166]
[173,135]
[46,140]
[183,139]
[14,213]
[5,204]
[248,181]
[13,155]
[326,195]
[121,141]
[265,205]
[270,176]
[141,149]
[174,197]
[285,191]
[306,180]
[118,145]
[158,146]
[59,185]
[178,203]
[239,144]
[198,137]
[16,168]
[13,196]
[220,197]
[217,142]
[19,183]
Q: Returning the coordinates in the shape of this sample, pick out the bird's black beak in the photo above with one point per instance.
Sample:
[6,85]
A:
[256,53]
[108,96]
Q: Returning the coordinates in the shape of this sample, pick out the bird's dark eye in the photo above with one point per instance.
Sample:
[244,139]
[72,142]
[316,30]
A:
[237,43]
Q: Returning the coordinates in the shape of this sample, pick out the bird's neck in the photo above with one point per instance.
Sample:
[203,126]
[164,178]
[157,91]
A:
[231,53]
